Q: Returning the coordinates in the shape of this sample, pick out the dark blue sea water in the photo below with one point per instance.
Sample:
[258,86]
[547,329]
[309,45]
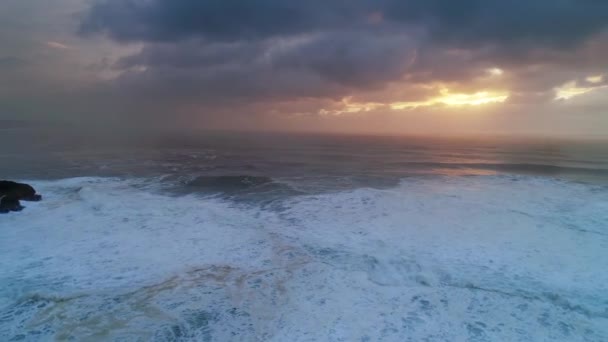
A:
[352,161]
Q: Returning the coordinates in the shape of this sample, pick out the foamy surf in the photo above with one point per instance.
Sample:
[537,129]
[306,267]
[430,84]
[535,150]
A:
[481,258]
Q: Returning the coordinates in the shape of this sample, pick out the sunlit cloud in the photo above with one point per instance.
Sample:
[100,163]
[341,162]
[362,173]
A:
[595,79]
[455,100]
[572,89]
[495,72]
[445,99]
[56,45]
[349,107]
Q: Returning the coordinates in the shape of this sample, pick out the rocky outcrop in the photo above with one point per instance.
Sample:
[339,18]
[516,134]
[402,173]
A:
[11,193]
[9,203]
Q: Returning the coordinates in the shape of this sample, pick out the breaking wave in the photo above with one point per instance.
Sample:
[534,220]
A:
[436,258]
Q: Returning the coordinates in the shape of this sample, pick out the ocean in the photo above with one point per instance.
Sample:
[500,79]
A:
[299,237]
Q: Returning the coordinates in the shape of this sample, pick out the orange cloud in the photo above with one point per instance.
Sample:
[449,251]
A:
[444,99]
[455,100]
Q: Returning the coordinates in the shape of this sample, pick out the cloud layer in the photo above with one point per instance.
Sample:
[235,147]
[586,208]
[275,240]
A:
[465,21]
[333,57]
[330,47]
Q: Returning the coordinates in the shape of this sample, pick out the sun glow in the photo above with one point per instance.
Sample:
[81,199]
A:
[572,89]
[595,79]
[495,72]
[349,107]
[445,99]
[455,100]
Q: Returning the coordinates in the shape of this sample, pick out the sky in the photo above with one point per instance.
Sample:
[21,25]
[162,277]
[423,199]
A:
[519,67]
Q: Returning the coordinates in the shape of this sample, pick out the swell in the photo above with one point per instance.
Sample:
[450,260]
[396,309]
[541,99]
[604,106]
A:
[260,189]
[228,183]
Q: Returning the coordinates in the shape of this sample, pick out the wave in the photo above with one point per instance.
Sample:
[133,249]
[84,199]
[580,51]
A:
[246,188]
[439,258]
[228,183]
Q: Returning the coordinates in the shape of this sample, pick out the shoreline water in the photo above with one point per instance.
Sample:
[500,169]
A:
[440,257]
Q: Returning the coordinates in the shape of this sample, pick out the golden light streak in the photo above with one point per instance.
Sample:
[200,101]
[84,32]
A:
[571,89]
[455,100]
[595,79]
[349,107]
[445,99]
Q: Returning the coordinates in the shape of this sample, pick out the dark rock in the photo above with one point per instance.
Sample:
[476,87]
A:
[9,203]
[11,193]
[33,198]
[20,190]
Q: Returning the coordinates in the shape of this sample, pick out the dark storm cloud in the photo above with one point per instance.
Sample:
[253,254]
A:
[539,22]
[167,20]
[356,58]
[230,82]
[194,54]
[517,31]
[470,21]
[353,59]
[238,51]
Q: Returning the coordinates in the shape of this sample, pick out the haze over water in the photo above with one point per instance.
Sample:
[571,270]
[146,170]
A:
[53,153]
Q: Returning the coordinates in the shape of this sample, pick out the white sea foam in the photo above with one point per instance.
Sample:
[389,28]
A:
[441,259]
